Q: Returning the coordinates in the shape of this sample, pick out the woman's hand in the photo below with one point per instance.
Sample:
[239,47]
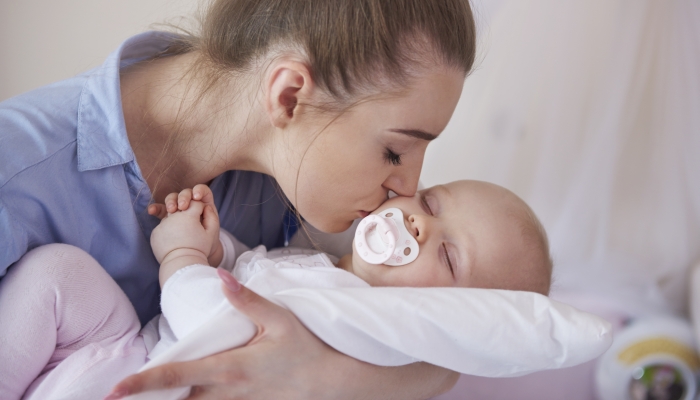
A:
[286,361]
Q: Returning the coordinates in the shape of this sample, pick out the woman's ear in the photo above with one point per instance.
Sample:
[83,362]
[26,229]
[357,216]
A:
[288,86]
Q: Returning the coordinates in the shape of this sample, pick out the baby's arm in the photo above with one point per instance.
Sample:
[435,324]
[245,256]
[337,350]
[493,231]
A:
[185,238]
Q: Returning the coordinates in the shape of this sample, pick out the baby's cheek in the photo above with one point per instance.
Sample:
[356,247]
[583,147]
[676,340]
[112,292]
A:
[424,273]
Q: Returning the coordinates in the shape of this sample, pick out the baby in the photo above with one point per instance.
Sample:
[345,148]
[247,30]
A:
[469,234]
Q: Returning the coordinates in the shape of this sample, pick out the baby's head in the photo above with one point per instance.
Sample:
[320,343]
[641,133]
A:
[471,234]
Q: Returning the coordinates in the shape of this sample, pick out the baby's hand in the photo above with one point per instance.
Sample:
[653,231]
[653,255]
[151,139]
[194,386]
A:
[181,201]
[185,238]
[196,228]
[175,202]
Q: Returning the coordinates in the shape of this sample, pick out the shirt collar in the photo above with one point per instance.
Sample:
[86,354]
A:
[102,138]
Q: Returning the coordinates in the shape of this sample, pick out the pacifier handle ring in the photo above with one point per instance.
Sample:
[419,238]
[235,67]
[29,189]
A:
[366,253]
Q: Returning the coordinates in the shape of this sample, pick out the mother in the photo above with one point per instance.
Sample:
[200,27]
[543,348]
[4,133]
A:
[335,100]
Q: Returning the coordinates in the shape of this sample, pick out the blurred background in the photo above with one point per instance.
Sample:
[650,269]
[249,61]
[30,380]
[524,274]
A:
[45,41]
[589,110]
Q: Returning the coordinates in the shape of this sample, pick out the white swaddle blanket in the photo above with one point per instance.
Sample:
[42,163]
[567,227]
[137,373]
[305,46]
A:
[495,333]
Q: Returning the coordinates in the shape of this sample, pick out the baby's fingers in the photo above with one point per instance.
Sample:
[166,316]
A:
[210,219]
[183,199]
[158,210]
[203,193]
[171,203]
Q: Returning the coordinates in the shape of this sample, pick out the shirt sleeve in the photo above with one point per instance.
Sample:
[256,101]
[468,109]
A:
[190,297]
[13,238]
[233,248]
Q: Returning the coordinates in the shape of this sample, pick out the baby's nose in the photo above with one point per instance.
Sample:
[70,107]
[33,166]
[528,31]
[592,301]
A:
[417,225]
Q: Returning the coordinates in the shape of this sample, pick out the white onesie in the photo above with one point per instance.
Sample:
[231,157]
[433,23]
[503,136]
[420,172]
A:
[192,298]
[192,295]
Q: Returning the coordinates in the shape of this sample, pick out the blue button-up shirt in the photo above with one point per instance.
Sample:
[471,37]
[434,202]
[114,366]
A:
[68,175]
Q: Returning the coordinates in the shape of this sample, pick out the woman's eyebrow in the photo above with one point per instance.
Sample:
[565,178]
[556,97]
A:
[416,133]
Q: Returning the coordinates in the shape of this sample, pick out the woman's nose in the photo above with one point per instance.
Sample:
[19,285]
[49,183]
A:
[420,227]
[404,181]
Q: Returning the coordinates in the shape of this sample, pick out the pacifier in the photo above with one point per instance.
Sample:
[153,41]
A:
[384,239]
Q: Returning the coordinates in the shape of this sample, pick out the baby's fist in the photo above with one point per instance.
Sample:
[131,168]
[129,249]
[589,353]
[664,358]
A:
[195,228]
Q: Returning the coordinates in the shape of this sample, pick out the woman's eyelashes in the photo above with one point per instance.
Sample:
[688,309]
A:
[393,158]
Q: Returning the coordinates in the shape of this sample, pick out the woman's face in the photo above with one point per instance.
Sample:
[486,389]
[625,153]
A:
[347,170]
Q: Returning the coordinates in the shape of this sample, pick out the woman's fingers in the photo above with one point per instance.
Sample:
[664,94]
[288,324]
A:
[171,203]
[260,310]
[183,199]
[230,283]
[168,376]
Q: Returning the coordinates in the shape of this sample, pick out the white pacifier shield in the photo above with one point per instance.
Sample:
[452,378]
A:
[384,239]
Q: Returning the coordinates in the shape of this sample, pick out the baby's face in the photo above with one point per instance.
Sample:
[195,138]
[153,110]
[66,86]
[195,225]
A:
[466,235]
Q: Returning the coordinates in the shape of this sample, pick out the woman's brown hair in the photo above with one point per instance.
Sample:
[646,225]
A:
[349,44]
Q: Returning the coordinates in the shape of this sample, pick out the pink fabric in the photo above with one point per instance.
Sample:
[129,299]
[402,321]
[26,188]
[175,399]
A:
[59,306]
[574,383]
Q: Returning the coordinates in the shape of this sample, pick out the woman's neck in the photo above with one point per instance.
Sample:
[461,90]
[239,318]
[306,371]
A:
[182,138]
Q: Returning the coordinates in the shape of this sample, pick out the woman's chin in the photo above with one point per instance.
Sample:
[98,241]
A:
[331,226]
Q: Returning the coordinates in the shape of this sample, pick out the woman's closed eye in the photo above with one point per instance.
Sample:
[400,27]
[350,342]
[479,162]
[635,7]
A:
[392,157]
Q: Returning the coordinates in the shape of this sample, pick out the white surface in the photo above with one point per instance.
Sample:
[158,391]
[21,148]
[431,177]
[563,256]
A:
[45,41]
[483,332]
[590,111]
[493,333]
[575,383]
[620,204]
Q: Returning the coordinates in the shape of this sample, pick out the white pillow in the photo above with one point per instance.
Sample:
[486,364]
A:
[485,332]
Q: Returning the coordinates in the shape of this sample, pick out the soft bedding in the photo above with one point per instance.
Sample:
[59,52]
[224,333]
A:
[485,332]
